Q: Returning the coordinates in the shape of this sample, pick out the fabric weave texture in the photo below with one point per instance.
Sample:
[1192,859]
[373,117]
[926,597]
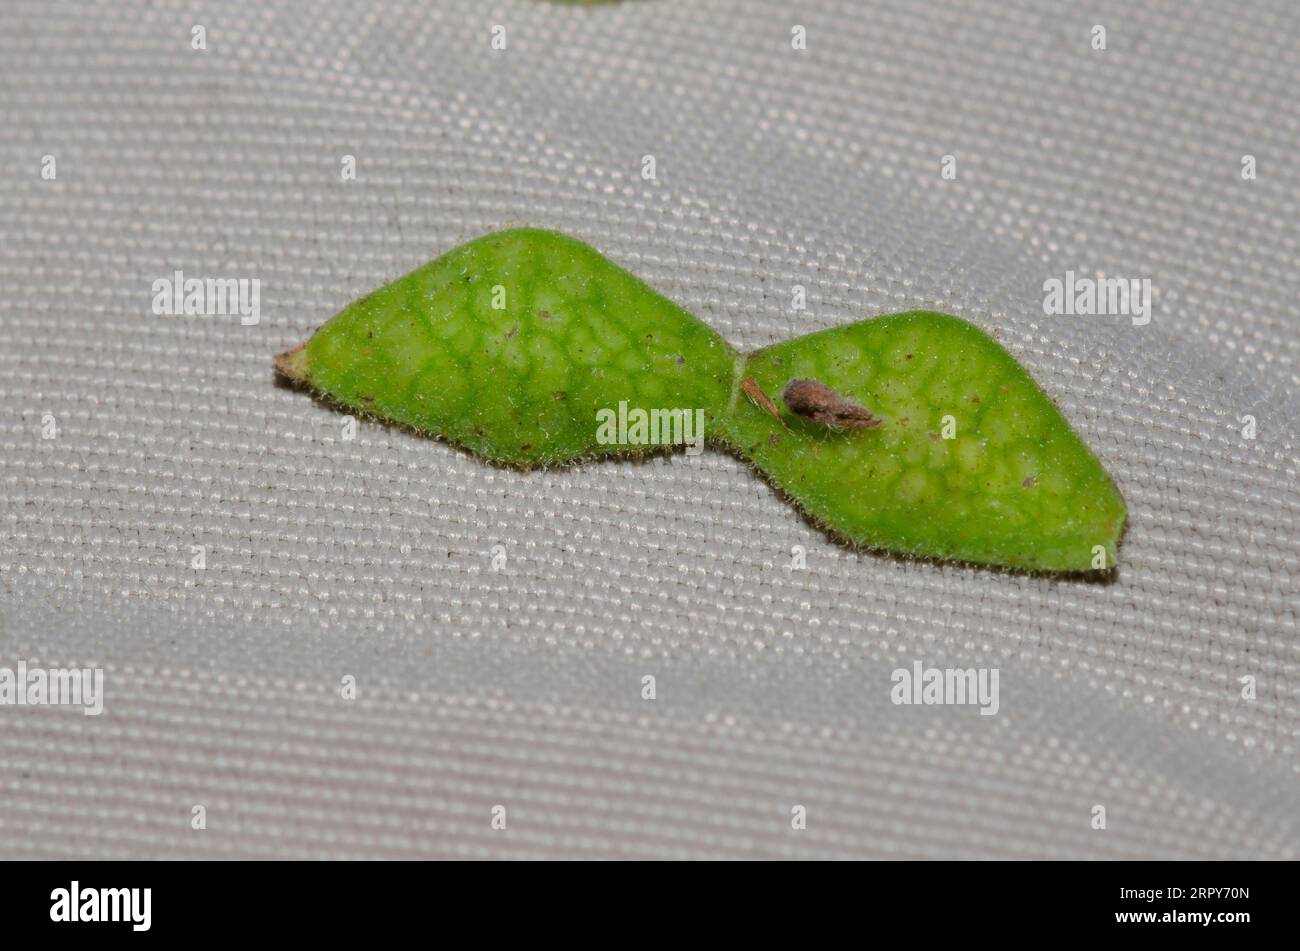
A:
[519,684]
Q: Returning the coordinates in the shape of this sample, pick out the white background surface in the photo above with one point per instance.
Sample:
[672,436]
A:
[372,558]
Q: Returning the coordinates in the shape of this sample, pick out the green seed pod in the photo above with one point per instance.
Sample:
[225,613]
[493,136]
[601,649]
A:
[962,456]
[915,433]
[510,345]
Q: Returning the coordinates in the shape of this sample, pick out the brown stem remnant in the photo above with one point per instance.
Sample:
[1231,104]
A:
[818,403]
[293,363]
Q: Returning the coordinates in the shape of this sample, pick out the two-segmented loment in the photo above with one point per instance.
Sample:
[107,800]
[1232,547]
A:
[915,433]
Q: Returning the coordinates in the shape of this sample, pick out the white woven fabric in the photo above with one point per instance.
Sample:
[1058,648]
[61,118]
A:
[373,558]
